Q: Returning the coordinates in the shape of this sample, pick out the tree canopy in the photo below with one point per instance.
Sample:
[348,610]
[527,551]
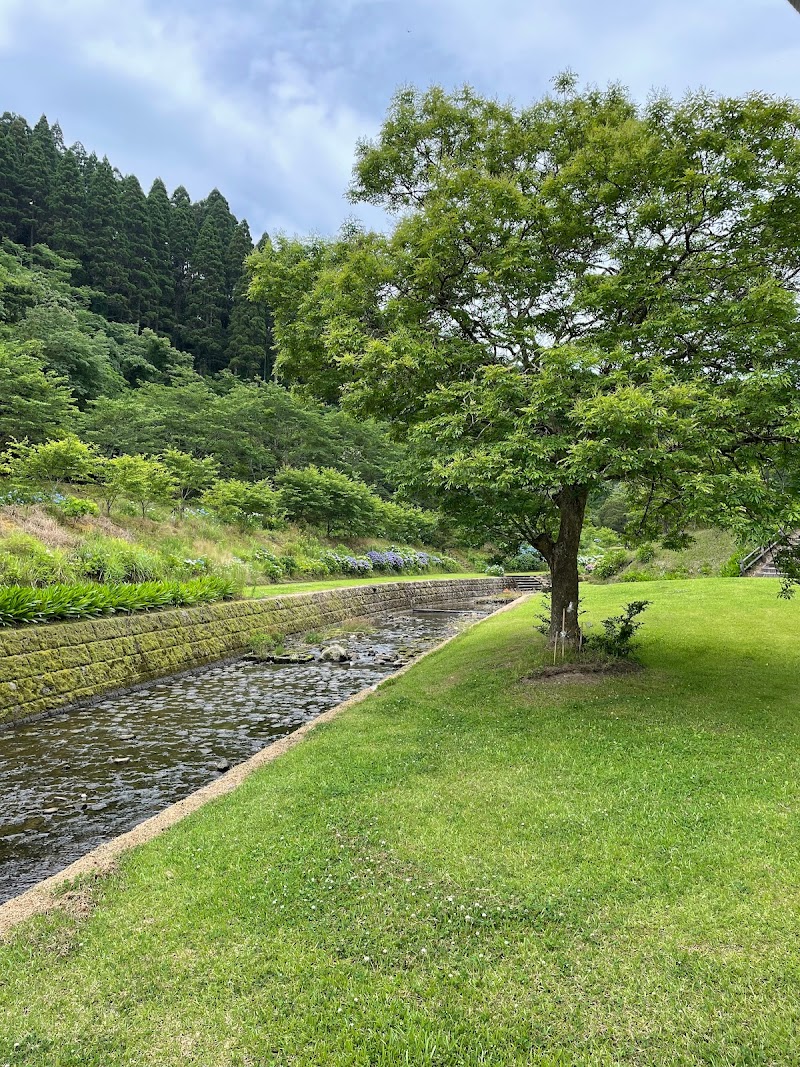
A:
[580,292]
[165,263]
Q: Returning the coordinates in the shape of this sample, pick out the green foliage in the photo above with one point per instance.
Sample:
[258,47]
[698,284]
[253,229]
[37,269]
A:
[261,644]
[142,481]
[611,509]
[110,559]
[731,568]
[75,507]
[190,475]
[618,631]
[25,561]
[526,558]
[327,498]
[611,563]
[584,294]
[494,570]
[245,505]
[407,524]
[645,553]
[35,403]
[20,605]
[51,463]
[250,429]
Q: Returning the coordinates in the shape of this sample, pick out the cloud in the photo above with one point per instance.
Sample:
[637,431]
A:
[267,123]
[266,99]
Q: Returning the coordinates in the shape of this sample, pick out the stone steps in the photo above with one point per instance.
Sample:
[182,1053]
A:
[529,583]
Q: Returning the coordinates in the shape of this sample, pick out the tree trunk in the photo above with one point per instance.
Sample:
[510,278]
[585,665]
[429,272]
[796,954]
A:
[563,560]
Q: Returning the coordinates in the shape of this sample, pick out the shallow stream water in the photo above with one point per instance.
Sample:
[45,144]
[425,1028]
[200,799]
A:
[73,781]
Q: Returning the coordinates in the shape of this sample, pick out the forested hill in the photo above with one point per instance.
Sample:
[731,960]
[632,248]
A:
[124,319]
[155,261]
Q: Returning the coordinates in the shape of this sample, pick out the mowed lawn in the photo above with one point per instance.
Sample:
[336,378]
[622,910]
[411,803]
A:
[283,588]
[471,868]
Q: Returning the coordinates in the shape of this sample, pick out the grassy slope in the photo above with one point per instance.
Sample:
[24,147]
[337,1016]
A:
[472,869]
[189,537]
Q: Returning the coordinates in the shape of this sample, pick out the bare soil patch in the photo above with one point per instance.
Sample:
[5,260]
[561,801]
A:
[587,673]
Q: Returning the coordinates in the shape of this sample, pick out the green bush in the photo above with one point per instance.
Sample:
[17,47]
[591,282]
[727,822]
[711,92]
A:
[611,563]
[326,498]
[494,571]
[25,561]
[73,507]
[730,569]
[407,524]
[646,553]
[618,631]
[636,576]
[677,573]
[244,504]
[20,605]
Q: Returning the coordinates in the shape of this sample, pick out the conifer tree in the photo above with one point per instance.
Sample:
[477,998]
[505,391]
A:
[68,209]
[141,283]
[106,240]
[216,208]
[239,248]
[37,177]
[206,300]
[250,352]
[158,210]
[182,239]
[10,168]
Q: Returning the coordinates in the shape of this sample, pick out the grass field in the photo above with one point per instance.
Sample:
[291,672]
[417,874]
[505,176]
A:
[472,868]
[339,583]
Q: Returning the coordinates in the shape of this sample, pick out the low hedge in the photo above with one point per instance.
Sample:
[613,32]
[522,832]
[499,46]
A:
[21,605]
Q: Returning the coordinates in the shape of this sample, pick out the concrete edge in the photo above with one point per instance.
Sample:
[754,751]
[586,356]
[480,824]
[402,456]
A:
[43,897]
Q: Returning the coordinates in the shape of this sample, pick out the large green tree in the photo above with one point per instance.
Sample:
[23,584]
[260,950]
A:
[34,404]
[578,292]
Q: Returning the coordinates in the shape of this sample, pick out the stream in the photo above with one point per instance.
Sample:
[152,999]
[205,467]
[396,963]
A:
[78,779]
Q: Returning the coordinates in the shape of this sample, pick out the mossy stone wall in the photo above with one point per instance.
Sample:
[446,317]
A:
[43,668]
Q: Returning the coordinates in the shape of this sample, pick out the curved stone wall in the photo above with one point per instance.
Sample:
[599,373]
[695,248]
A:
[47,667]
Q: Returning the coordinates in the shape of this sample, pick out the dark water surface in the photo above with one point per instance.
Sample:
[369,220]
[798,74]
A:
[71,782]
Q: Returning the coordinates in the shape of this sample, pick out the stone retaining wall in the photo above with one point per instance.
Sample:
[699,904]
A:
[44,668]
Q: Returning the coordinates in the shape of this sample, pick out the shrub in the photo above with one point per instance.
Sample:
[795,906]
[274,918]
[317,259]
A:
[646,553]
[731,568]
[618,631]
[269,565]
[324,497]
[73,507]
[611,563]
[244,504]
[406,523]
[52,463]
[526,559]
[20,605]
[494,571]
[636,576]
[25,561]
[677,573]
[142,481]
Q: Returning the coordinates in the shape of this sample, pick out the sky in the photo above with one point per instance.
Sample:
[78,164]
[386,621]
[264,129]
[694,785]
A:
[266,99]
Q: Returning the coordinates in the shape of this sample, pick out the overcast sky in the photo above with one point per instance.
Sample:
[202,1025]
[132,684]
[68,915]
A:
[265,99]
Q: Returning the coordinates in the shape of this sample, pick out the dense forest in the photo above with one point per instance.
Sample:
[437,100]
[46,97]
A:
[155,261]
[125,318]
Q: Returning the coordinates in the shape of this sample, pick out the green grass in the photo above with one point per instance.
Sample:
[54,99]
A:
[339,583]
[470,868]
